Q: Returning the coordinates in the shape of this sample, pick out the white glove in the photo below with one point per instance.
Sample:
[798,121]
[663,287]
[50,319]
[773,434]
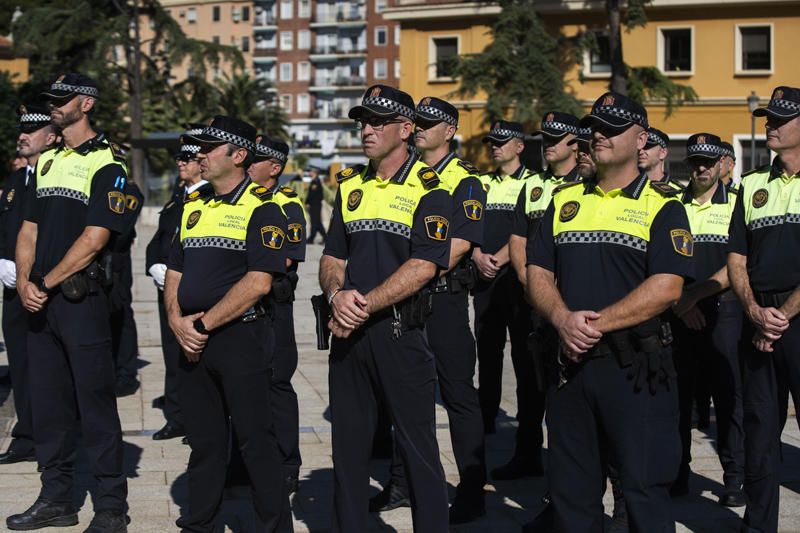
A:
[8,273]
[158,272]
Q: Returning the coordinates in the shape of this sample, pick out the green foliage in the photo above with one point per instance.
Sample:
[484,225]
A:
[247,98]
[519,71]
[649,83]
[9,132]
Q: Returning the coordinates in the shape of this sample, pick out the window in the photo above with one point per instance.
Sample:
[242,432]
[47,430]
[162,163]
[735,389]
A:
[245,44]
[286,9]
[304,12]
[286,102]
[675,51]
[191,15]
[444,57]
[381,36]
[215,39]
[246,13]
[380,69]
[303,105]
[762,155]
[753,49]
[397,34]
[287,40]
[215,13]
[380,5]
[600,55]
[303,39]
[676,164]
[397,68]
[286,72]
[303,71]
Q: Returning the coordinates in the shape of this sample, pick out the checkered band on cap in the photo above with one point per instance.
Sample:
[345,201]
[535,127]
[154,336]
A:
[193,132]
[785,104]
[585,132]
[501,132]
[190,148]
[270,153]
[229,137]
[80,89]
[618,112]
[32,118]
[559,126]
[438,113]
[395,107]
[706,149]
[656,139]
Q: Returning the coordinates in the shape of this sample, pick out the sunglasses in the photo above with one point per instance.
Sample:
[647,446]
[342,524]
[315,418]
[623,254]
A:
[376,123]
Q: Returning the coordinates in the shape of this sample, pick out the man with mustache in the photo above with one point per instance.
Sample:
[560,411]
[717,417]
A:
[36,135]
[609,256]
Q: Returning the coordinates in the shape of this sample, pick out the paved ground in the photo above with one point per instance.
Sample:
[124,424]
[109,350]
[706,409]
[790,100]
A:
[157,481]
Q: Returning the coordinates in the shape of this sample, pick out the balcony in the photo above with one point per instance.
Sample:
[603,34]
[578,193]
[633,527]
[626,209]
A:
[341,19]
[265,21]
[265,53]
[332,53]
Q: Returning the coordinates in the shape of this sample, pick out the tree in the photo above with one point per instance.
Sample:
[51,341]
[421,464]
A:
[9,120]
[248,99]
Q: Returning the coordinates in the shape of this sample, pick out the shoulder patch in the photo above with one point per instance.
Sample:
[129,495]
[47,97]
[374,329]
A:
[117,152]
[469,167]
[288,191]
[567,185]
[765,168]
[428,177]
[261,192]
[200,192]
[665,188]
[349,172]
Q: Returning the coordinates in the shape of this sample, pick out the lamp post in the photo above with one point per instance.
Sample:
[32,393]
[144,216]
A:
[752,105]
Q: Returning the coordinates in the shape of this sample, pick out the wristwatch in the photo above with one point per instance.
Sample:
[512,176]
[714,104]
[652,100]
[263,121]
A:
[200,327]
[41,286]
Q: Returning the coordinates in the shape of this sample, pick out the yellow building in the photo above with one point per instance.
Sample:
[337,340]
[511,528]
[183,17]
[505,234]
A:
[17,67]
[724,50]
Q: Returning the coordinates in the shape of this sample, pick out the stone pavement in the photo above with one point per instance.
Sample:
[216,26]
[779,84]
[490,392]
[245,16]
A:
[157,482]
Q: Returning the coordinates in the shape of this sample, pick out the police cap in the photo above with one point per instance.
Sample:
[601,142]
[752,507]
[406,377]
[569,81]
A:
[557,124]
[384,101]
[618,111]
[269,148]
[71,84]
[785,103]
[33,117]
[729,150]
[226,130]
[704,145]
[434,109]
[656,137]
[503,131]
[584,132]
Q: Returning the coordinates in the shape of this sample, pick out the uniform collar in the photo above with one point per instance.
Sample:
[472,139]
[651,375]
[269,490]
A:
[517,174]
[720,196]
[87,146]
[569,177]
[401,175]
[233,197]
[442,164]
[776,169]
[193,187]
[633,189]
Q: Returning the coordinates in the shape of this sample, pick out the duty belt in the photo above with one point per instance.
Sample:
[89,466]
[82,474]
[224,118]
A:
[254,313]
[772,299]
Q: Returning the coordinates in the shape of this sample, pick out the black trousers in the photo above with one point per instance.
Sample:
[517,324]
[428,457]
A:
[71,373]
[366,365]
[595,419]
[767,379]
[453,348]
[124,337]
[500,306]
[172,353]
[232,382]
[15,334]
[717,349]
[285,413]
[315,216]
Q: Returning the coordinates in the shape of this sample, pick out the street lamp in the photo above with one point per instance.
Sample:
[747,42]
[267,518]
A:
[752,105]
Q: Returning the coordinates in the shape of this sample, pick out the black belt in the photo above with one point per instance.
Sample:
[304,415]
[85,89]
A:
[772,299]
[254,313]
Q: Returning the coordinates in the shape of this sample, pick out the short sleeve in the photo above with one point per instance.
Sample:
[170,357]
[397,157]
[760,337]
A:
[32,208]
[519,222]
[469,201]
[541,249]
[737,242]
[430,231]
[296,234]
[336,241]
[671,247]
[175,260]
[108,198]
[266,240]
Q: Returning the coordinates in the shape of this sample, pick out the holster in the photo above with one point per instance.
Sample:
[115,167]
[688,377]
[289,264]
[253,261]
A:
[282,290]
[105,266]
[322,314]
[416,309]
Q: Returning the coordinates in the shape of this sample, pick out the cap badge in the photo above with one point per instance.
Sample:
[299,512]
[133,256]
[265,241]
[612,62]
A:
[549,117]
[375,92]
[23,110]
[426,101]
[608,100]
[778,94]
[496,126]
[701,139]
[60,79]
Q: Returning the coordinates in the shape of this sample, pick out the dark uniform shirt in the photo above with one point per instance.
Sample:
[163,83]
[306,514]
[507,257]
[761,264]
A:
[379,224]
[534,197]
[73,189]
[12,211]
[501,199]
[295,214]
[602,245]
[314,197]
[766,228]
[222,238]
[709,223]
[469,197]
[123,242]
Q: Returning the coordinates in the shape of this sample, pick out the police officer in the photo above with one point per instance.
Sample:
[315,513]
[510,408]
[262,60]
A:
[389,236]
[156,256]
[447,328]
[613,367]
[36,135]
[586,167]
[710,319]
[654,155]
[314,199]
[229,245]
[728,166]
[764,267]
[270,159]
[75,204]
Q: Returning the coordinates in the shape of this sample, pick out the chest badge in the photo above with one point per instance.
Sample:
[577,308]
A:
[10,196]
[536,193]
[568,211]
[272,237]
[295,232]
[116,202]
[473,209]
[436,227]
[760,198]
[47,166]
[354,199]
[192,219]
[682,242]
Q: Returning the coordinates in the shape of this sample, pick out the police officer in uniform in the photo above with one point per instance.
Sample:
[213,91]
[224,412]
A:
[229,244]
[586,167]
[609,256]
[75,205]
[270,160]
[314,206]
[36,135]
[156,257]
[710,319]
[764,267]
[728,166]
[654,155]
[388,238]
[447,328]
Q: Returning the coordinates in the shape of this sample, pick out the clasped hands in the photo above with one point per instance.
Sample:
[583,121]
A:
[770,324]
[349,310]
[576,333]
[192,341]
